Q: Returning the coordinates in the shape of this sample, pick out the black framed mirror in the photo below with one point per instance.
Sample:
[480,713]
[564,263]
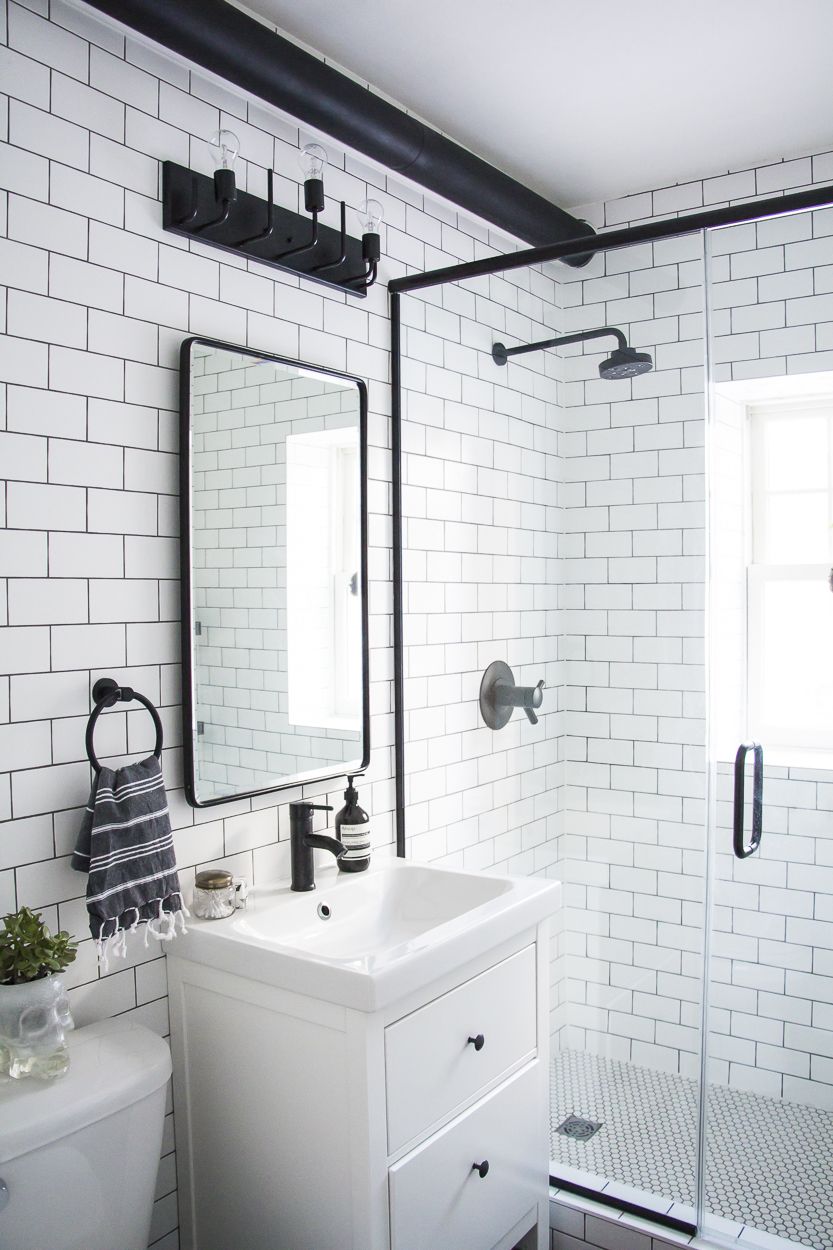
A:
[273,504]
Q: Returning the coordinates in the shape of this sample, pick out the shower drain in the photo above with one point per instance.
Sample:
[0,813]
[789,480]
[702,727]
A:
[579,1129]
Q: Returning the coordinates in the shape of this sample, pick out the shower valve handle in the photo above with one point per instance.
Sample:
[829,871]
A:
[528,697]
[520,696]
[499,695]
[536,698]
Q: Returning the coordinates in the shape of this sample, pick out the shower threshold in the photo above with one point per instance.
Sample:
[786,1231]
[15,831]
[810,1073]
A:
[767,1167]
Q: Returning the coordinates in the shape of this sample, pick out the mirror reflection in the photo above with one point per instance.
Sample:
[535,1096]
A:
[277,670]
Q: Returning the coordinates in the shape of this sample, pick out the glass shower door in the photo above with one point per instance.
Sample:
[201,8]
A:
[626,1052]
[767,1143]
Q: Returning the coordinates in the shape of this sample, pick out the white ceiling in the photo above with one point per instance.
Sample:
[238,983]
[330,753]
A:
[592,99]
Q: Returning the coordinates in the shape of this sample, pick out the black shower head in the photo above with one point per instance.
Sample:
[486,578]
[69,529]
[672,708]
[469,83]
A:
[625,362]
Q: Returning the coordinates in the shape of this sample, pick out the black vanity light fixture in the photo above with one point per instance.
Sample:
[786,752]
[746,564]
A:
[216,212]
[370,218]
[312,160]
[224,147]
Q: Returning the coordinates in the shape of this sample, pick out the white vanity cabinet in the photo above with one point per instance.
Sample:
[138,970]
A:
[305,1125]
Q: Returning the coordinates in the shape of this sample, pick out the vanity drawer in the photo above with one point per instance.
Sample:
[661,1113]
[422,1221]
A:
[439,1202]
[431,1067]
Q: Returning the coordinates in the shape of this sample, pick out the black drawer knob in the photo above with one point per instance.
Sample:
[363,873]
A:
[477,1042]
[482,1169]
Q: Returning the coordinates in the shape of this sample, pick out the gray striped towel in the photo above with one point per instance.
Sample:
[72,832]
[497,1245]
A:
[126,847]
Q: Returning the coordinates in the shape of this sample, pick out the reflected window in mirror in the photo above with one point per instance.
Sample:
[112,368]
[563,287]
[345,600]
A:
[274,576]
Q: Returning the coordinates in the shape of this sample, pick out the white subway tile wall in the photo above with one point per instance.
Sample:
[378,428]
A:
[96,301]
[553,520]
[634,628]
[771,1014]
[626,831]
[634,572]
[482,478]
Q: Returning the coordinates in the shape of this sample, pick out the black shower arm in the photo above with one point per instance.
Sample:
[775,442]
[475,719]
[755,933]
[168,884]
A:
[564,339]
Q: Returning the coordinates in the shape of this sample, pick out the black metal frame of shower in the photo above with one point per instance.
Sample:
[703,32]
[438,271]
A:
[650,232]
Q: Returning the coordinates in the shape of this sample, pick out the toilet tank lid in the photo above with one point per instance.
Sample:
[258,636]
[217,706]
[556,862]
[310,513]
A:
[113,1064]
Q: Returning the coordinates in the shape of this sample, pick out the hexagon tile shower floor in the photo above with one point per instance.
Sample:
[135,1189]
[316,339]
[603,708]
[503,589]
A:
[766,1156]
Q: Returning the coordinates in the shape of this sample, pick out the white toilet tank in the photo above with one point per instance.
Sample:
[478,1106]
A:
[79,1155]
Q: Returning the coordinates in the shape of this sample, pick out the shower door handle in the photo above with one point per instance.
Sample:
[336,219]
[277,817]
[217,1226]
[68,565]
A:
[741,850]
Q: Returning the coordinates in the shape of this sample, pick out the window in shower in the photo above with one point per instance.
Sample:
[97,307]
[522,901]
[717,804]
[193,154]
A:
[789,599]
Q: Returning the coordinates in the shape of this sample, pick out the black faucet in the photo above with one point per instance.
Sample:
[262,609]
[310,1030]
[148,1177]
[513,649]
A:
[303,841]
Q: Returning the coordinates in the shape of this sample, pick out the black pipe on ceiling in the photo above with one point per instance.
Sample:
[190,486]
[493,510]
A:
[222,39]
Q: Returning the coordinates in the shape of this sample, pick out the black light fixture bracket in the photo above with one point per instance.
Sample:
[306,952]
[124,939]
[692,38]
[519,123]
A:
[263,231]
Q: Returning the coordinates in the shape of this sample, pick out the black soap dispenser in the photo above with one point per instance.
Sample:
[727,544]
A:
[353,829]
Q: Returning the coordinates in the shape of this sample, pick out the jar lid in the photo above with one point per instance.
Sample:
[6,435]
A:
[213,879]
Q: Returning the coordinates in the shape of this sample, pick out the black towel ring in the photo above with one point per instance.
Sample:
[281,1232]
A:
[106,693]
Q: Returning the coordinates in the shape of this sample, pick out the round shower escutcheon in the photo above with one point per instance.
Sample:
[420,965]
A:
[495,714]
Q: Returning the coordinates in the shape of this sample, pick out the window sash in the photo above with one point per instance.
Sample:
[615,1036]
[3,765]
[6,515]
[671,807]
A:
[759,417]
[773,734]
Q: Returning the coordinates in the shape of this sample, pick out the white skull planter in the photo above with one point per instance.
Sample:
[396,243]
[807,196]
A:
[34,1020]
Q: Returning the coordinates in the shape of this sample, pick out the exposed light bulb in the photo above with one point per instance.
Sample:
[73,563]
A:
[370,216]
[312,158]
[224,147]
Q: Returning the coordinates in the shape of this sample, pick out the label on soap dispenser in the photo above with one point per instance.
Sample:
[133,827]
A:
[357,840]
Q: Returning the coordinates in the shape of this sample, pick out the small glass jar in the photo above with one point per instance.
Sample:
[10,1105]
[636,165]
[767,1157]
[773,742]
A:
[214,894]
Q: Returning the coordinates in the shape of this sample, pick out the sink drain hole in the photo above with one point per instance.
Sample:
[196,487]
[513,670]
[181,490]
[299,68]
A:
[324,911]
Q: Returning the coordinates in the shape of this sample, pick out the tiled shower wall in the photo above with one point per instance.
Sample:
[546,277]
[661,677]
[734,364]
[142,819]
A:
[774,945]
[96,301]
[482,523]
[634,638]
[634,579]
[628,829]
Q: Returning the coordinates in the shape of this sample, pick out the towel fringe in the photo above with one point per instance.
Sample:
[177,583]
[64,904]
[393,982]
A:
[163,927]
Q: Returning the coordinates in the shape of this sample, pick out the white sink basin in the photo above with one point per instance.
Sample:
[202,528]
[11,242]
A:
[368,918]
[364,940]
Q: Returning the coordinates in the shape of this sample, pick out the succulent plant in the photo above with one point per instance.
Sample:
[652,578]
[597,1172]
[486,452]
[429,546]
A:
[28,951]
